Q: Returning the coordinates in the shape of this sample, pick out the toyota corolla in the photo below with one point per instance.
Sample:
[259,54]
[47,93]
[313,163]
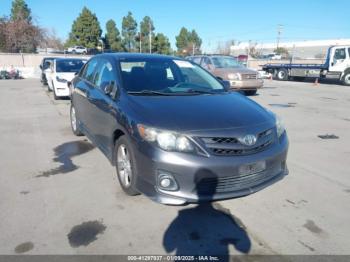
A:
[174,132]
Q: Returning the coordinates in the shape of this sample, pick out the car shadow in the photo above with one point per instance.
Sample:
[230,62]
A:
[207,228]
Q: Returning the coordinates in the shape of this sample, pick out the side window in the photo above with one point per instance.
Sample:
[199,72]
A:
[105,73]
[349,52]
[339,54]
[206,62]
[89,71]
[197,60]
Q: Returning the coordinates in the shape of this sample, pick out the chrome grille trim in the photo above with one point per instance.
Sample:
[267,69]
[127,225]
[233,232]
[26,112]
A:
[230,146]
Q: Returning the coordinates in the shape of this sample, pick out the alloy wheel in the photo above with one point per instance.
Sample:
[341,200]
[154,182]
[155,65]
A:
[124,166]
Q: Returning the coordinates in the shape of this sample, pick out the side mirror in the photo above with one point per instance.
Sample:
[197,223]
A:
[108,87]
[226,84]
[41,67]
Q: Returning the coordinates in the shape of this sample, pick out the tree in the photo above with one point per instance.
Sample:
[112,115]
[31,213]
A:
[162,44]
[112,37]
[147,29]
[2,34]
[195,40]
[51,40]
[281,51]
[129,31]
[86,30]
[182,40]
[20,10]
[188,42]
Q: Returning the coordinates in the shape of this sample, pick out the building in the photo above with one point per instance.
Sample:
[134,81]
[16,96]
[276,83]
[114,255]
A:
[301,49]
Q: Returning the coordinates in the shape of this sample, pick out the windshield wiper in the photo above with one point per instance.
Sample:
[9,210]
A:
[148,92]
[198,91]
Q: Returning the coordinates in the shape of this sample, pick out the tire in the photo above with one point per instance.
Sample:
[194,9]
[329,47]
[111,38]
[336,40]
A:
[48,87]
[54,92]
[125,166]
[74,122]
[346,78]
[250,92]
[282,74]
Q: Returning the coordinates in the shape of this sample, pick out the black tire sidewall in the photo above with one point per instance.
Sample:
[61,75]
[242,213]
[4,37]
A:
[76,132]
[343,81]
[285,74]
[131,190]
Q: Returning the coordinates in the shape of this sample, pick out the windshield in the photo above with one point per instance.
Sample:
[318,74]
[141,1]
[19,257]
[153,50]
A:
[167,76]
[69,65]
[225,62]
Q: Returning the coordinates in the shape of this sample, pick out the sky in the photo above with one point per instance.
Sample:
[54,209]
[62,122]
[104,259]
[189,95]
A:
[216,21]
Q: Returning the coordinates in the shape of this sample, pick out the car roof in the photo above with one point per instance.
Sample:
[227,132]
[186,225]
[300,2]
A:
[68,58]
[122,56]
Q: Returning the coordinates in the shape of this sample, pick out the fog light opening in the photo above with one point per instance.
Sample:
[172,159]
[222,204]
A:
[167,182]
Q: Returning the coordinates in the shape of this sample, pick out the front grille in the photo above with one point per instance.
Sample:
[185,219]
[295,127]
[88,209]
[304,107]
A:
[225,152]
[249,76]
[231,146]
[209,186]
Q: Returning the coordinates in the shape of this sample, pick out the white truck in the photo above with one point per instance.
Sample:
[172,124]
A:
[336,66]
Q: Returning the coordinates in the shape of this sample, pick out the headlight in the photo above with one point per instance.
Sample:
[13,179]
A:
[280,126]
[235,76]
[169,141]
[61,80]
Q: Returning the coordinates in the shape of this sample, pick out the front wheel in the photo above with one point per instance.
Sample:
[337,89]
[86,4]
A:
[125,165]
[346,79]
[74,122]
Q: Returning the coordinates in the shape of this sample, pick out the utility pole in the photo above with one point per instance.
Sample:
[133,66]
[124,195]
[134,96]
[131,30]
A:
[150,37]
[193,47]
[279,32]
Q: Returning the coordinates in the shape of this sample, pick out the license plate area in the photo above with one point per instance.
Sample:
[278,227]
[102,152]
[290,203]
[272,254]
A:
[250,169]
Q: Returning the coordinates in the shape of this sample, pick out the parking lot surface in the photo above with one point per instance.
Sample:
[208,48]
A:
[60,195]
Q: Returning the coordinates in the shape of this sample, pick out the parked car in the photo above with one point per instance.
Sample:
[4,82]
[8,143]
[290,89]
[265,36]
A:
[45,64]
[174,132]
[60,72]
[77,50]
[228,68]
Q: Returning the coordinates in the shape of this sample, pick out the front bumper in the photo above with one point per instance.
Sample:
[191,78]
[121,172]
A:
[251,84]
[220,172]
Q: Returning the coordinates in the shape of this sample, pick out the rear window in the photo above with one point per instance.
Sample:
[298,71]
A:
[69,66]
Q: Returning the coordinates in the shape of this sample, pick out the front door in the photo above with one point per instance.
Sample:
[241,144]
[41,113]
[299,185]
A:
[339,59]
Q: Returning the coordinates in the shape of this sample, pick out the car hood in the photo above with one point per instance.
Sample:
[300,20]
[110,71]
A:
[199,112]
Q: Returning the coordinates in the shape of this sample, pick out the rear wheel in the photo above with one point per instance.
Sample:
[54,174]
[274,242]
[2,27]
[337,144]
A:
[346,79]
[125,165]
[282,74]
[74,122]
[250,92]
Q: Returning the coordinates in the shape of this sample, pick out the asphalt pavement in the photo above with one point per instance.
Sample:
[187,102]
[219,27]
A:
[60,195]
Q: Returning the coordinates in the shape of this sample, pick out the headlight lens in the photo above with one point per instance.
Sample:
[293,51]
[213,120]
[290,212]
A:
[61,80]
[166,140]
[280,126]
[235,76]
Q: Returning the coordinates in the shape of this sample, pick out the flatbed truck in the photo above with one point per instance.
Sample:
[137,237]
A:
[336,66]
